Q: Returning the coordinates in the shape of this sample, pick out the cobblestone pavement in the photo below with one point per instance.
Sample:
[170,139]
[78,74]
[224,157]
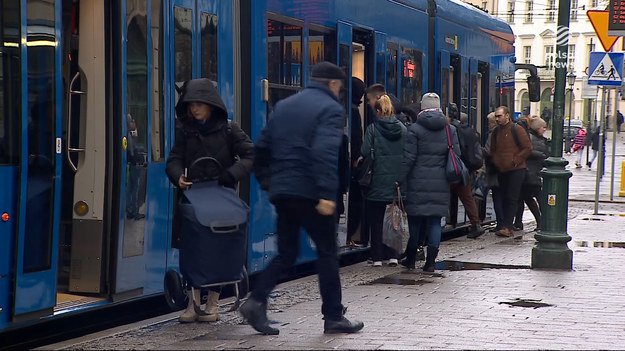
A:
[506,307]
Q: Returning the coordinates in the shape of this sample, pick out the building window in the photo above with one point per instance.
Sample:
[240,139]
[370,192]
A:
[591,46]
[527,54]
[594,3]
[549,57]
[551,10]
[574,5]
[511,12]
[571,58]
[529,7]
[485,5]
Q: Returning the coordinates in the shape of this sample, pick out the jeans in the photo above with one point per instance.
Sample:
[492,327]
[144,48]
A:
[294,214]
[433,225]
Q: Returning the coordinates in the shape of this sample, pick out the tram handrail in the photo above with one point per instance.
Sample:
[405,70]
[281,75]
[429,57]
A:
[68,148]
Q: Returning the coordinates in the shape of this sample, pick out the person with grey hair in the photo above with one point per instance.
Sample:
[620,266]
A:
[296,162]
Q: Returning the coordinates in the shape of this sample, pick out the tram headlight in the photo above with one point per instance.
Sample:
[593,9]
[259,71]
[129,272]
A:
[81,208]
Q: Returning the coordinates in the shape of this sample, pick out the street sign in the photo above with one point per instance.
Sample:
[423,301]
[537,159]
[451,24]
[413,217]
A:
[606,68]
[599,21]
[588,91]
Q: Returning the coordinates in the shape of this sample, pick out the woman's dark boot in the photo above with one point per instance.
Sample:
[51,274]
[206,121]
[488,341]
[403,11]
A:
[430,259]
[420,254]
[409,262]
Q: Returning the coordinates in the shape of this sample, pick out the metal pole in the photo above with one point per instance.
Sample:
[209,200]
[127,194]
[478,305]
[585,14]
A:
[599,164]
[614,126]
[551,250]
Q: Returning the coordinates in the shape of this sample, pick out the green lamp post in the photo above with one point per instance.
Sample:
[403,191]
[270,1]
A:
[551,250]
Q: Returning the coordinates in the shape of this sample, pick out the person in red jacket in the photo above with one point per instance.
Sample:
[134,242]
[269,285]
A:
[578,146]
[509,150]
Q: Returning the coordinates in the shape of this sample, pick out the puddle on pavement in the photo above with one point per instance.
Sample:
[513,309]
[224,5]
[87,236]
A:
[605,244]
[527,303]
[391,279]
[473,266]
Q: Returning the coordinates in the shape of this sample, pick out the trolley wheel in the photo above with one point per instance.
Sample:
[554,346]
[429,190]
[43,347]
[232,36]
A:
[244,285]
[174,292]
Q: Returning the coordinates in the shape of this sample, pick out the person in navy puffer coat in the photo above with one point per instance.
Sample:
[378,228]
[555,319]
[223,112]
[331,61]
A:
[297,161]
[423,177]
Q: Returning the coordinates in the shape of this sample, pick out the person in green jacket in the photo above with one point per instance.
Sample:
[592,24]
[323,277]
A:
[386,136]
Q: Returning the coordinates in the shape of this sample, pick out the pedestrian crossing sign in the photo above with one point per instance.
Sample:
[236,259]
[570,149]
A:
[606,68]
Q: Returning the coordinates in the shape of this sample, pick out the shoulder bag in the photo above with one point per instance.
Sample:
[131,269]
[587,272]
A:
[455,170]
[366,168]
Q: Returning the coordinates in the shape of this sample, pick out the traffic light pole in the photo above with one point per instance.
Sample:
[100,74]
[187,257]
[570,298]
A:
[551,250]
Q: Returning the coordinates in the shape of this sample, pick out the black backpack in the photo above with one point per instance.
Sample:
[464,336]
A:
[470,146]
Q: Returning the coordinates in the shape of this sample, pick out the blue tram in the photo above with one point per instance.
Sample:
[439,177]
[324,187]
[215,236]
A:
[87,96]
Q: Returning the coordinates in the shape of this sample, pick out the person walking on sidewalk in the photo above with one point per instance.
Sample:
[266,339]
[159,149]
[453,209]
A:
[509,149]
[386,136]
[203,130]
[296,162]
[578,146]
[423,177]
[531,189]
[467,136]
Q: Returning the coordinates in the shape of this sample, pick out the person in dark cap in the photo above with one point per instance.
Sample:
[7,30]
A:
[356,202]
[296,162]
[203,129]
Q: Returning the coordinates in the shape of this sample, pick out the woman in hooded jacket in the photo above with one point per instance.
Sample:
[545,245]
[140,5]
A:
[386,135]
[423,178]
[203,130]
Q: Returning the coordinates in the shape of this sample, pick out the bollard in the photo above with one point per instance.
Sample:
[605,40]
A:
[622,191]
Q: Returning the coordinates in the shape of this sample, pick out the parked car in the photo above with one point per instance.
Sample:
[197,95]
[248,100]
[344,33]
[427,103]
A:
[570,133]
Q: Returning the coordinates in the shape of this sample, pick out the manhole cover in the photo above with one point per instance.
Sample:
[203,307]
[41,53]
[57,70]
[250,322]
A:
[528,303]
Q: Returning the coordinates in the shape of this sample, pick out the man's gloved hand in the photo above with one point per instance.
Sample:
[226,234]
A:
[326,207]
[226,179]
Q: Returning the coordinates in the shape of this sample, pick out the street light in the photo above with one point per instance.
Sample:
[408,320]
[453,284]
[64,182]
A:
[570,79]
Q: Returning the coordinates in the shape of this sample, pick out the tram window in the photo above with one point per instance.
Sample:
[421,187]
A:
[10,79]
[391,68]
[445,89]
[209,46]
[344,62]
[158,120]
[473,114]
[464,93]
[321,46]
[183,54]
[137,126]
[284,53]
[41,138]
[411,76]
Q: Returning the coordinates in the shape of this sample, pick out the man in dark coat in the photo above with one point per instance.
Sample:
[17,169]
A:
[203,130]
[296,159]
[355,204]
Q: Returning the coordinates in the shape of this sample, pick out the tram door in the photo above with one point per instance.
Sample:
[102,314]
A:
[30,154]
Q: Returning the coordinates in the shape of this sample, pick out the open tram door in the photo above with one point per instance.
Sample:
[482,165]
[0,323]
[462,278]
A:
[30,157]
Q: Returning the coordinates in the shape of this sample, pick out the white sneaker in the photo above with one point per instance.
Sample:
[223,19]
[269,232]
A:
[377,264]
[392,262]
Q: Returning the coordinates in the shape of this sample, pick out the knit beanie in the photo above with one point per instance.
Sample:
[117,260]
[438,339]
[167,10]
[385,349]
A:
[430,100]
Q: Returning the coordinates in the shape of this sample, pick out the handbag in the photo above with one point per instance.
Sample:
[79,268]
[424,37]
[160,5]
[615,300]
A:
[455,170]
[395,233]
[480,187]
[365,176]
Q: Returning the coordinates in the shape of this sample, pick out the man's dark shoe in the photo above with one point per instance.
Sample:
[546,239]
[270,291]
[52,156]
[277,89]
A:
[342,326]
[517,227]
[476,232]
[420,254]
[255,313]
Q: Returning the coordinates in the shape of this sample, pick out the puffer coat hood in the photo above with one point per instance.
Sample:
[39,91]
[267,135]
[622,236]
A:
[200,90]
[432,119]
[390,128]
[358,90]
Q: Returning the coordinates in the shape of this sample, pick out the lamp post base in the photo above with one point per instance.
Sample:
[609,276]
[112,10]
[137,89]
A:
[551,250]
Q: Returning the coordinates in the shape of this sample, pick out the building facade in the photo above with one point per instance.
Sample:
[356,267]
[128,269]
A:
[534,24]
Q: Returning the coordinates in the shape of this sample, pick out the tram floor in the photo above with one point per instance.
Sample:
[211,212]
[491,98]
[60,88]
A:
[66,301]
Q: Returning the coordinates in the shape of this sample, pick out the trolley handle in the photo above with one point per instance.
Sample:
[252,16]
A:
[205,158]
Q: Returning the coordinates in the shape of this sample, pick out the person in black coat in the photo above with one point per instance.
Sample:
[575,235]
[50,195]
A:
[203,130]
[356,202]
[296,161]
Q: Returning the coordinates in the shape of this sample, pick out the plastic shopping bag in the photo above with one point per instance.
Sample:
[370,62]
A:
[395,232]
